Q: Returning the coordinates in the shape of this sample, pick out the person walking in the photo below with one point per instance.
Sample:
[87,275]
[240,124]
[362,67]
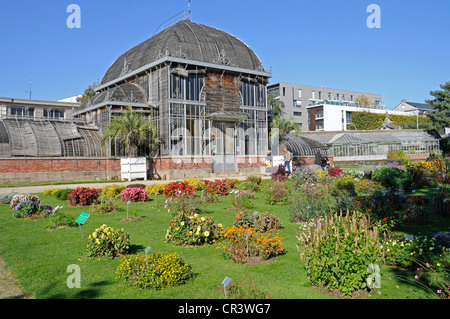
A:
[287,160]
[318,160]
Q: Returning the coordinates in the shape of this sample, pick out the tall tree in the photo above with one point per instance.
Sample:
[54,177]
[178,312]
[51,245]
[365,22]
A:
[440,116]
[132,130]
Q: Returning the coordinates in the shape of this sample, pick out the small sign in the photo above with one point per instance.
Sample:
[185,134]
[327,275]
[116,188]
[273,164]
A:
[82,218]
[226,281]
[146,252]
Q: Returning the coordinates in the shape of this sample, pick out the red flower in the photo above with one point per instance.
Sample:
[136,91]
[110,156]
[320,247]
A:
[171,223]
[238,216]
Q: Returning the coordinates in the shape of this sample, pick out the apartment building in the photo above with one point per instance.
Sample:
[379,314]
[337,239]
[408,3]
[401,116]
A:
[297,98]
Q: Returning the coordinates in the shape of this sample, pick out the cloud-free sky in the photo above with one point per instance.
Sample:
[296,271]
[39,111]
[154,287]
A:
[317,42]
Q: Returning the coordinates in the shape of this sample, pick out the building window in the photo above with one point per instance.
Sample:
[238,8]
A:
[284,91]
[22,111]
[299,92]
[186,88]
[297,103]
[348,117]
[253,94]
[337,96]
[351,98]
[53,113]
[320,95]
[329,96]
[297,113]
[313,94]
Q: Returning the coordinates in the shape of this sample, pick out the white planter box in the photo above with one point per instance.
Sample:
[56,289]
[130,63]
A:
[133,168]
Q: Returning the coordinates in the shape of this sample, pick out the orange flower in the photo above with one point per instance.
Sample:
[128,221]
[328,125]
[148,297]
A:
[384,219]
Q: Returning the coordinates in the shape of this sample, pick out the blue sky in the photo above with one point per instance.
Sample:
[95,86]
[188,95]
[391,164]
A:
[317,42]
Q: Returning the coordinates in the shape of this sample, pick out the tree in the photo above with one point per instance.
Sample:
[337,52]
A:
[274,104]
[363,100]
[132,130]
[285,126]
[440,116]
[88,93]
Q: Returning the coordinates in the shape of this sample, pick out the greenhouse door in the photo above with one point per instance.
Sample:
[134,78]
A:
[224,146]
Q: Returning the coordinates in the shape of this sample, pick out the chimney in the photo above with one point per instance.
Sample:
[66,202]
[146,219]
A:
[404,101]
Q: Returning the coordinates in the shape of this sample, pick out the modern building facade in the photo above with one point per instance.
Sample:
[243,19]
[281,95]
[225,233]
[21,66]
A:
[297,98]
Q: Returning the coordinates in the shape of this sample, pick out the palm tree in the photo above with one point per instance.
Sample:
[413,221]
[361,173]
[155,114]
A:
[132,130]
[285,127]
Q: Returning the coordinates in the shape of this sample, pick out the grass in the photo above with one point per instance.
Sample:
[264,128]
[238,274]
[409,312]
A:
[39,258]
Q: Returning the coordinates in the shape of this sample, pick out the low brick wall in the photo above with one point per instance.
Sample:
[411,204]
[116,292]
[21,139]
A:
[20,170]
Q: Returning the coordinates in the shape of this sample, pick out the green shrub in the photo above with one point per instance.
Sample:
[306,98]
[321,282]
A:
[113,191]
[60,219]
[338,252]
[393,177]
[107,242]
[62,194]
[158,271]
[254,179]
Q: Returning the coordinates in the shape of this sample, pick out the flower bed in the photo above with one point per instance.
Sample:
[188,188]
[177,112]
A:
[156,272]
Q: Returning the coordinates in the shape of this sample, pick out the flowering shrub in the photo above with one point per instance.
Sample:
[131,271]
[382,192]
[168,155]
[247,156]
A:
[83,196]
[135,194]
[443,179]
[305,204]
[239,243]
[338,251]
[179,188]
[107,242]
[335,171]
[113,191]
[321,175]
[262,222]
[250,186]
[164,269]
[302,175]
[219,187]
[16,199]
[191,229]
[280,175]
[408,253]
[231,182]
[29,209]
[277,193]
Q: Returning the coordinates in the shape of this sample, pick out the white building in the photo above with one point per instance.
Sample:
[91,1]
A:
[336,116]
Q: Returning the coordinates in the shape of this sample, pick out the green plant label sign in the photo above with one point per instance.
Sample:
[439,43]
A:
[82,218]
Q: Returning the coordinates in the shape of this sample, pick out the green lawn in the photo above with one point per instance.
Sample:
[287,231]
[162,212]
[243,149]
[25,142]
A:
[39,258]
